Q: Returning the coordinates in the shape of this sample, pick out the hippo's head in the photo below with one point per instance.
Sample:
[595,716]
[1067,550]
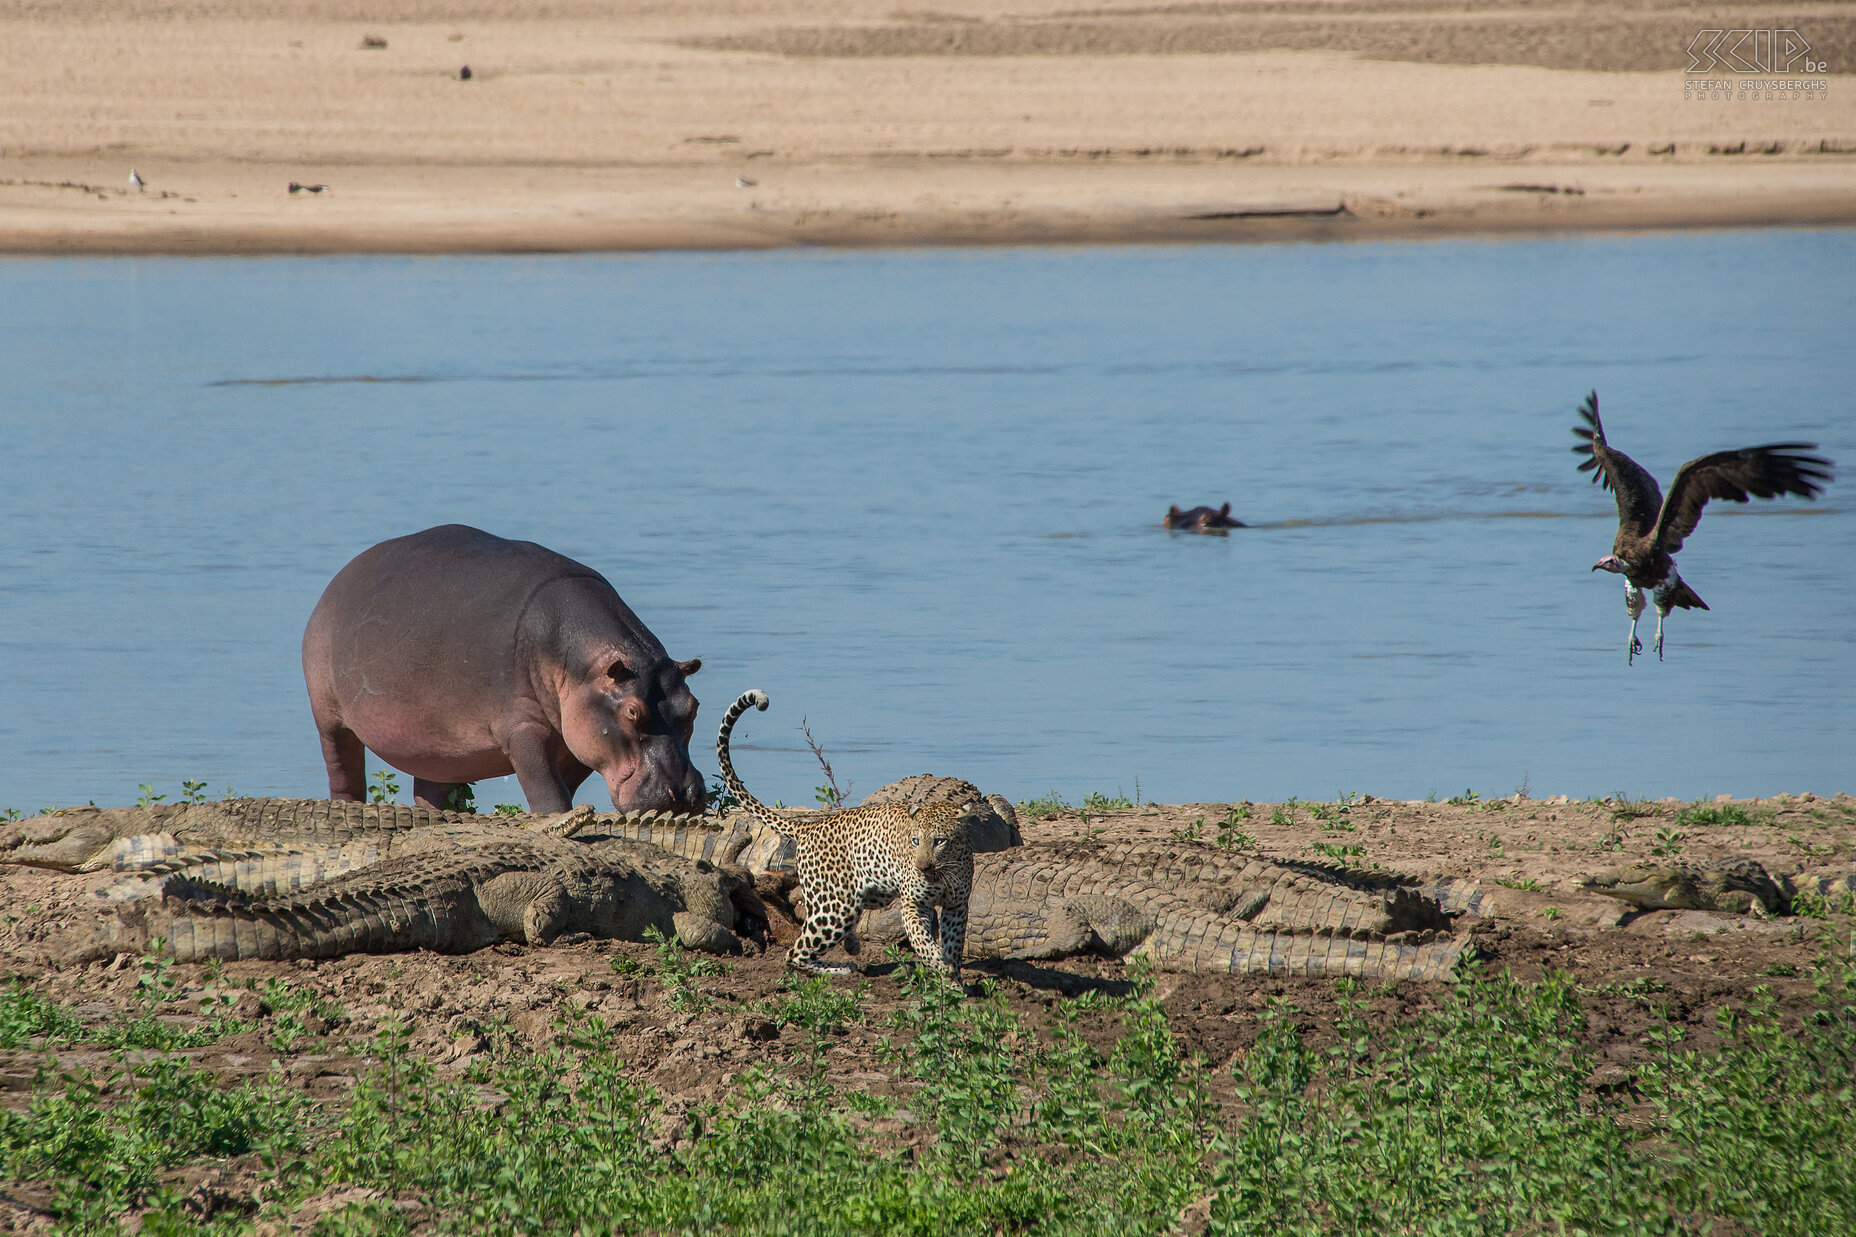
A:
[631,723]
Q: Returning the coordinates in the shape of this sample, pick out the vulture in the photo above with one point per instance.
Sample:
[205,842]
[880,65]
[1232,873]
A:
[1652,528]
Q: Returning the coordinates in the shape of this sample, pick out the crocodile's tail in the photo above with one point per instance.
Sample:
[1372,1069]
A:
[757,699]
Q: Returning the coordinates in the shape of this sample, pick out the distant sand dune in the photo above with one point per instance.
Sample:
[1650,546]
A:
[858,122]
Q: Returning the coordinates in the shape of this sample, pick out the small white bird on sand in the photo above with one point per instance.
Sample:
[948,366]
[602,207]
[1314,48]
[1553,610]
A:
[743,182]
[135,181]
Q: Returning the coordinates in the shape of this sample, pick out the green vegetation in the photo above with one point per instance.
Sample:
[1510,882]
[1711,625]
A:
[1231,835]
[1096,801]
[28,1019]
[1051,804]
[1699,814]
[385,786]
[1623,807]
[1474,1118]
[1668,843]
[1525,883]
[676,968]
[460,797]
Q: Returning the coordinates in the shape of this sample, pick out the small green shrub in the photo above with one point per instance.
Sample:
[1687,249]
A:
[1051,804]
[385,786]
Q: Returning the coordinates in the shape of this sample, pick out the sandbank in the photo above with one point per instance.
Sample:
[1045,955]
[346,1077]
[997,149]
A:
[806,122]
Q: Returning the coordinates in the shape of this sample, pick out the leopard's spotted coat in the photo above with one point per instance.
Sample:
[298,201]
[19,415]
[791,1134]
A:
[867,857]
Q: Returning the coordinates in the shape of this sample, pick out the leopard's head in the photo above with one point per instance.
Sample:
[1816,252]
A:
[938,834]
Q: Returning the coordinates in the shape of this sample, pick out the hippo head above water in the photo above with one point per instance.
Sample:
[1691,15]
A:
[457,656]
[1201,519]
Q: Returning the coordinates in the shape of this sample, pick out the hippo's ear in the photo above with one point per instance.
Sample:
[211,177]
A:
[690,667]
[1225,510]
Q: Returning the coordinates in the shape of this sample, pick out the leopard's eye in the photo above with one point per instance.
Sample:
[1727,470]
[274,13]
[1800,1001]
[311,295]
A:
[915,841]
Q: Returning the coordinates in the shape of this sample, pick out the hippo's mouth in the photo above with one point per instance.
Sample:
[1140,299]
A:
[642,786]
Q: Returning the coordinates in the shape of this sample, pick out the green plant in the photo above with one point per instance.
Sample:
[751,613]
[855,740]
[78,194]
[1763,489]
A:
[1282,815]
[818,1005]
[1051,804]
[1525,883]
[1552,913]
[193,791]
[1096,801]
[1809,905]
[104,1146]
[679,970]
[1230,835]
[1668,843]
[1623,807]
[1191,833]
[385,786]
[11,813]
[509,809]
[148,795]
[1701,815]
[721,799]
[1336,852]
[1467,798]
[459,797]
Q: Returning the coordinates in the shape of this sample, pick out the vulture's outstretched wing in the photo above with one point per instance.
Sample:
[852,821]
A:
[1759,472]
[1639,498]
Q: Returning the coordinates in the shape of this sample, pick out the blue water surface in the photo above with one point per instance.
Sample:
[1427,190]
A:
[915,496]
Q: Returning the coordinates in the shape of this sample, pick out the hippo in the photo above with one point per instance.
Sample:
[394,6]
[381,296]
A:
[456,656]
[1202,519]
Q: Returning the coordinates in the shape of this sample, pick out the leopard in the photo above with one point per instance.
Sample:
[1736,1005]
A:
[864,858]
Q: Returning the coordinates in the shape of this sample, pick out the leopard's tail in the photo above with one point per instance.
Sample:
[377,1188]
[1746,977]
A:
[748,699]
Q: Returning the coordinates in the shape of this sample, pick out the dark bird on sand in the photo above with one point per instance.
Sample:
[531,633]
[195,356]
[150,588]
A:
[296,188]
[1202,519]
[1652,527]
[464,74]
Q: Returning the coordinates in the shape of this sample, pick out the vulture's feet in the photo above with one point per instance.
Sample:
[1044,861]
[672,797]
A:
[1636,647]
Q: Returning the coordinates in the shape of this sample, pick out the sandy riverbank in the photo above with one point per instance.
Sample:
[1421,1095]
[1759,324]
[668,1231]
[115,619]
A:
[813,122]
[315,1024]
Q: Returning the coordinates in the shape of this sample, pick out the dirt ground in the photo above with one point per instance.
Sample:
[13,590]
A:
[709,123]
[1632,966]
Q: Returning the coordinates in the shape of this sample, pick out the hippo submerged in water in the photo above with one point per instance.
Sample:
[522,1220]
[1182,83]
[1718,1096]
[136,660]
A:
[457,656]
[1202,519]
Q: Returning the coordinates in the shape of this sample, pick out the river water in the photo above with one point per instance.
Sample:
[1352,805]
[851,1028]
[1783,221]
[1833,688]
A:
[915,496]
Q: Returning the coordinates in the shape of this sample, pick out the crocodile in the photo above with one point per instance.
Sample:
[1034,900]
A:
[1739,886]
[1192,907]
[995,828]
[530,890]
[334,836]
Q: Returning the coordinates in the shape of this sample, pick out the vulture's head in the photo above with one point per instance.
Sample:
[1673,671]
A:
[1611,563]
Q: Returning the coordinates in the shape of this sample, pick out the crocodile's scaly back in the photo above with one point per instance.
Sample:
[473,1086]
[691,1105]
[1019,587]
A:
[526,888]
[87,838]
[1193,907]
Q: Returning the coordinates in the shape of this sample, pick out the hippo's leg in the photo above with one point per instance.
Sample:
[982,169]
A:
[347,762]
[526,744]
[430,794]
